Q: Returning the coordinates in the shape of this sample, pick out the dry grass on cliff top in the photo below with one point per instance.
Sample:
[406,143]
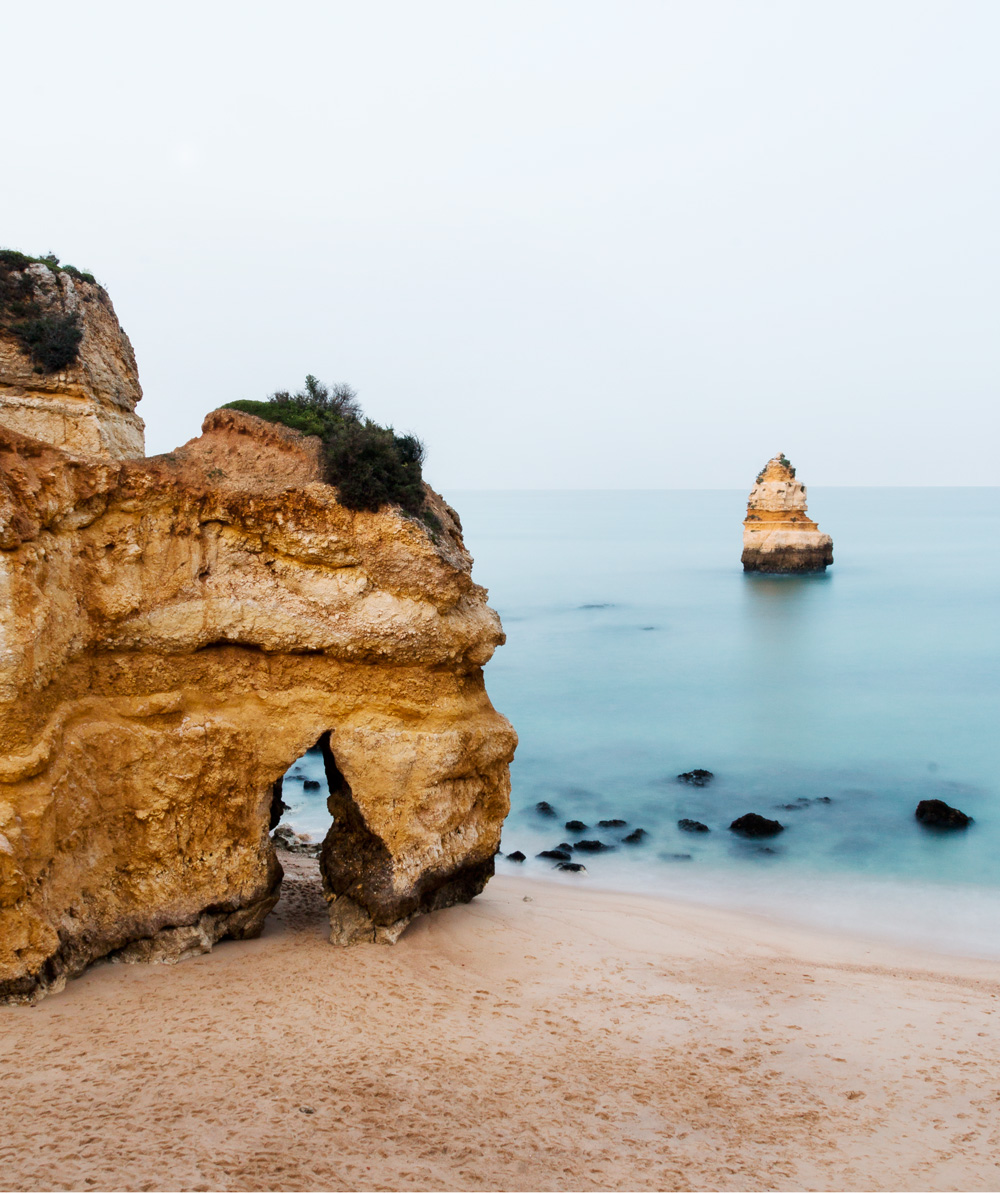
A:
[573,1041]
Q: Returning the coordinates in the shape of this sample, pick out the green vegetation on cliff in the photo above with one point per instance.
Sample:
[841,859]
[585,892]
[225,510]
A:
[370,465]
[48,333]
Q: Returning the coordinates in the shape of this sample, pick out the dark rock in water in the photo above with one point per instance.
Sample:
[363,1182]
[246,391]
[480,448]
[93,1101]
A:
[515,856]
[545,808]
[801,803]
[311,785]
[635,836]
[677,857]
[571,866]
[576,826]
[824,800]
[697,778]
[592,846]
[559,855]
[941,815]
[615,824]
[754,825]
[564,846]
[690,826]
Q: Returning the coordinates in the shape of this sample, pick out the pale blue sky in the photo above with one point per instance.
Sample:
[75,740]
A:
[570,244]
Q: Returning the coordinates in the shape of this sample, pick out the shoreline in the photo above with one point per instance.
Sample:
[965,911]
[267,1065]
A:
[542,1037]
[771,906]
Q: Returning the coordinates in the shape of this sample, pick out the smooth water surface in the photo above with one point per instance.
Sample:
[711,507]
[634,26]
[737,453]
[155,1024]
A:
[637,648]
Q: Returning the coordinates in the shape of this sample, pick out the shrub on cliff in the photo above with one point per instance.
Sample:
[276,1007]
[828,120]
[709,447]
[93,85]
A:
[370,465]
[48,333]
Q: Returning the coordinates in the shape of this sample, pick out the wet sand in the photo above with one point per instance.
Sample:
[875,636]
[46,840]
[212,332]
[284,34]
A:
[545,1037]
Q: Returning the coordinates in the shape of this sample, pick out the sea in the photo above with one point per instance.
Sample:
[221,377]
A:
[638,649]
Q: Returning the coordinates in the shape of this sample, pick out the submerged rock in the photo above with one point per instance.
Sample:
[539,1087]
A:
[575,867]
[592,846]
[941,815]
[778,536]
[311,785]
[635,836]
[697,778]
[177,631]
[545,809]
[577,827]
[515,856]
[559,855]
[690,826]
[754,825]
[617,823]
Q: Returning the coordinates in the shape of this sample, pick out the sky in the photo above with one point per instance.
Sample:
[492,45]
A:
[616,244]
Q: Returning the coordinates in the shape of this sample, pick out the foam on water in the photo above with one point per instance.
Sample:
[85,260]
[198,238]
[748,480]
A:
[638,649]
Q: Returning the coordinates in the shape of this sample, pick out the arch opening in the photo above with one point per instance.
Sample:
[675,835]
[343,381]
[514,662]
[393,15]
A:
[314,815]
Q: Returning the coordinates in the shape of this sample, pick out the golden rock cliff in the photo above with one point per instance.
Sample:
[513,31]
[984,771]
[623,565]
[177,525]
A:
[778,536]
[175,632]
[88,406]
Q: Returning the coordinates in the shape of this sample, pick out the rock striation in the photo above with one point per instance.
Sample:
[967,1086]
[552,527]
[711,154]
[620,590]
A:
[88,406]
[175,632]
[778,536]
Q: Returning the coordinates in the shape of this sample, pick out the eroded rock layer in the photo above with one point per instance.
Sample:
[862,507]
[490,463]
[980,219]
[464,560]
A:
[778,535]
[89,405]
[175,632]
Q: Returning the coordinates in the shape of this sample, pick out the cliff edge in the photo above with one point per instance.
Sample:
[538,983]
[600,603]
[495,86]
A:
[176,632]
[778,536]
[67,370]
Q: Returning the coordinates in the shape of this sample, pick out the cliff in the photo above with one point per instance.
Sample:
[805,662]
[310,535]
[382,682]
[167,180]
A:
[176,632]
[87,404]
[778,536]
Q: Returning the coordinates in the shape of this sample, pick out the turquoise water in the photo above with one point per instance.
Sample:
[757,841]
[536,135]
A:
[637,649]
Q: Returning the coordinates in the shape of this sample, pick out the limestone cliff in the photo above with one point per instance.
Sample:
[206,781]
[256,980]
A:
[175,632]
[89,405]
[777,534]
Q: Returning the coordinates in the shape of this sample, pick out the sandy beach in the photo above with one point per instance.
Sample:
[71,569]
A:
[545,1037]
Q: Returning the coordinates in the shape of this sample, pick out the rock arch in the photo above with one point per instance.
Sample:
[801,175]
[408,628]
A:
[175,632]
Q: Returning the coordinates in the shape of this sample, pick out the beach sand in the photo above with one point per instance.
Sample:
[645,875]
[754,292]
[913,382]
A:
[545,1037]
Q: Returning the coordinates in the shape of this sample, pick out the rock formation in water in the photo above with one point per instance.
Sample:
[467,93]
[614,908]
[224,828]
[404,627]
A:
[176,631]
[777,534]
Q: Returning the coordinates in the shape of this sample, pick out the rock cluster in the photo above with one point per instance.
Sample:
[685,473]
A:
[176,631]
[777,534]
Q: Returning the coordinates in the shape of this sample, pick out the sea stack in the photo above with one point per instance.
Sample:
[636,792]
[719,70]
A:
[777,534]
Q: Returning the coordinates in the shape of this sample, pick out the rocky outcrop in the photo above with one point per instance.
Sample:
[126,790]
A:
[777,534]
[175,633]
[87,407]
[940,815]
[754,825]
